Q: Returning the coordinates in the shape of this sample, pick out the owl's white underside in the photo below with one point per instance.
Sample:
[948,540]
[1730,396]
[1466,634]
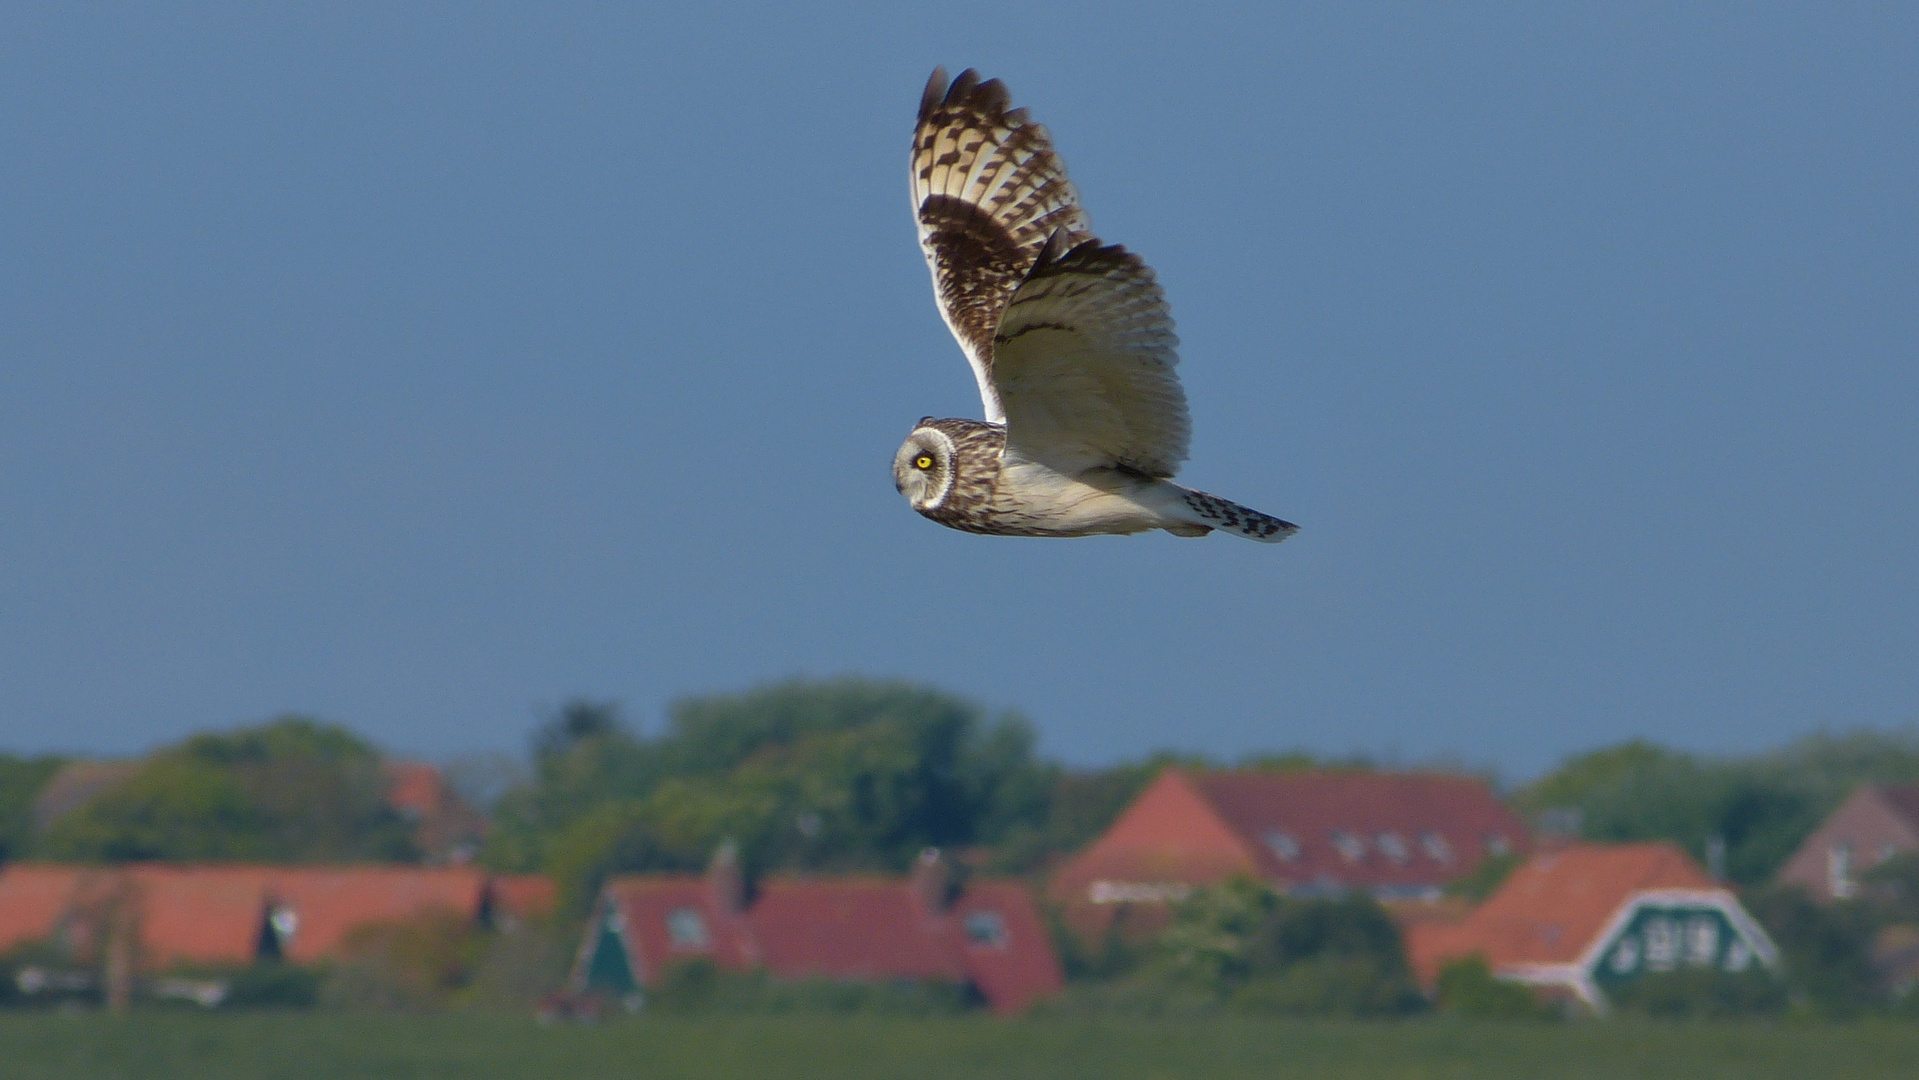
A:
[1048,502]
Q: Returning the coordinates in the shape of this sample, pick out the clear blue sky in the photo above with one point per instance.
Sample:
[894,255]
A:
[417,370]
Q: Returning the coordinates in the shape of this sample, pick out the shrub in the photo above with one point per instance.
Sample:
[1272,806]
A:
[1703,994]
[1469,988]
[699,986]
[408,965]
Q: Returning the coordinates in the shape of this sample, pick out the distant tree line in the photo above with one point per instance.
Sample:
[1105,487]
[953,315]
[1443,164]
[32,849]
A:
[856,774]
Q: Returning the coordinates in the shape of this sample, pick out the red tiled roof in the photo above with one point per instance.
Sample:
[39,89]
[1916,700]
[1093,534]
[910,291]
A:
[33,897]
[847,928]
[1400,829]
[445,827]
[215,914]
[413,787]
[209,915]
[1551,909]
[1020,969]
[1380,831]
[331,903]
[1903,798]
[852,928]
[646,901]
[525,896]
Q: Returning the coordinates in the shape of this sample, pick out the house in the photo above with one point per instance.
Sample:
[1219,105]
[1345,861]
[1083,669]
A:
[445,828]
[1398,836]
[232,915]
[987,935]
[1876,822]
[1587,918]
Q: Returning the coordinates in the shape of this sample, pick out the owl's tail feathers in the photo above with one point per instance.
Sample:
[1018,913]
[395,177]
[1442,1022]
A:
[1207,512]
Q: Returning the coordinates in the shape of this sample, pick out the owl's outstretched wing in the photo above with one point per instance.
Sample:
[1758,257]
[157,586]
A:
[1083,360]
[1071,342]
[988,192]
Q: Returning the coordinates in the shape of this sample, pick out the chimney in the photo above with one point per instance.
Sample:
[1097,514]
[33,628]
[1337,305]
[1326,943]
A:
[725,883]
[932,881]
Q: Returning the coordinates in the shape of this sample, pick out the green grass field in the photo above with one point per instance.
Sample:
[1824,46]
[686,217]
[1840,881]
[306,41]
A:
[468,1046]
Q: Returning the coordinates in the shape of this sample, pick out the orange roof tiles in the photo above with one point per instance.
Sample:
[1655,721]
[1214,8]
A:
[525,897]
[33,897]
[1552,909]
[217,914]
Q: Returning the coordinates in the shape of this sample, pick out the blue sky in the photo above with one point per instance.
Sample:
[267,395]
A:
[421,367]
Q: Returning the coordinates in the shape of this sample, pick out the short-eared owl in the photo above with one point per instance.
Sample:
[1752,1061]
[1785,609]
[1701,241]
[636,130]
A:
[1070,339]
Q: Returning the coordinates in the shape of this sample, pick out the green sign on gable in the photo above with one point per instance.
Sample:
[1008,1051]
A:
[607,967]
[1668,937]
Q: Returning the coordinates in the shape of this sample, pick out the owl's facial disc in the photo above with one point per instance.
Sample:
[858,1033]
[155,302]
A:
[923,468]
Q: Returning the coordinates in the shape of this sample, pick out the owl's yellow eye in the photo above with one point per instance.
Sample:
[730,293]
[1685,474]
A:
[924,461]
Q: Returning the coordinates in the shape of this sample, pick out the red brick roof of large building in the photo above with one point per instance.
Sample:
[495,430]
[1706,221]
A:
[856,928]
[1391,833]
[1904,798]
[1553,908]
[220,914]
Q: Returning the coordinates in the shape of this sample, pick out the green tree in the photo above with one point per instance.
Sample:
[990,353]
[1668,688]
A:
[1262,952]
[1761,807]
[1467,987]
[839,774]
[20,781]
[1826,948]
[292,790]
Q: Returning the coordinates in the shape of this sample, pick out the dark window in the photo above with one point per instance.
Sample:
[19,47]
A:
[986,928]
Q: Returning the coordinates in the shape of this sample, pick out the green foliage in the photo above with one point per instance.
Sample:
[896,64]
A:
[20,780]
[833,775]
[1826,949]
[1892,887]
[694,987]
[1467,987]
[1703,994]
[1246,946]
[174,807]
[292,790]
[1486,878]
[1760,806]
[272,984]
[408,965]
[1079,806]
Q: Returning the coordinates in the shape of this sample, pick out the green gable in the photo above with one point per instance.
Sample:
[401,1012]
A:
[1671,934]
[608,967]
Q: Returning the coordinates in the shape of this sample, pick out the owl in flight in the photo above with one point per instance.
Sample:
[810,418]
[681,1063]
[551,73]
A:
[1070,339]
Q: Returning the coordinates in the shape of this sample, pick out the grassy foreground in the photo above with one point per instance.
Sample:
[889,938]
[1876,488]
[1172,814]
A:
[157,1046]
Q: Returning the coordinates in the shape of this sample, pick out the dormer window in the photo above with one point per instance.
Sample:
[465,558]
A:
[1350,846]
[1435,847]
[1393,846]
[1839,872]
[685,929]
[986,929]
[1283,845]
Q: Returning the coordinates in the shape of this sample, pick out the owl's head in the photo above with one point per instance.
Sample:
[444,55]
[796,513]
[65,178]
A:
[924,467]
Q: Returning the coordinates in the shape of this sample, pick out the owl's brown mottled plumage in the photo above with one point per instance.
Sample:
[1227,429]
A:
[1070,340]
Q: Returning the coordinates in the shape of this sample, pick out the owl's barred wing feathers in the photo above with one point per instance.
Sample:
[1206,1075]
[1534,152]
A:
[988,192]
[1084,359]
